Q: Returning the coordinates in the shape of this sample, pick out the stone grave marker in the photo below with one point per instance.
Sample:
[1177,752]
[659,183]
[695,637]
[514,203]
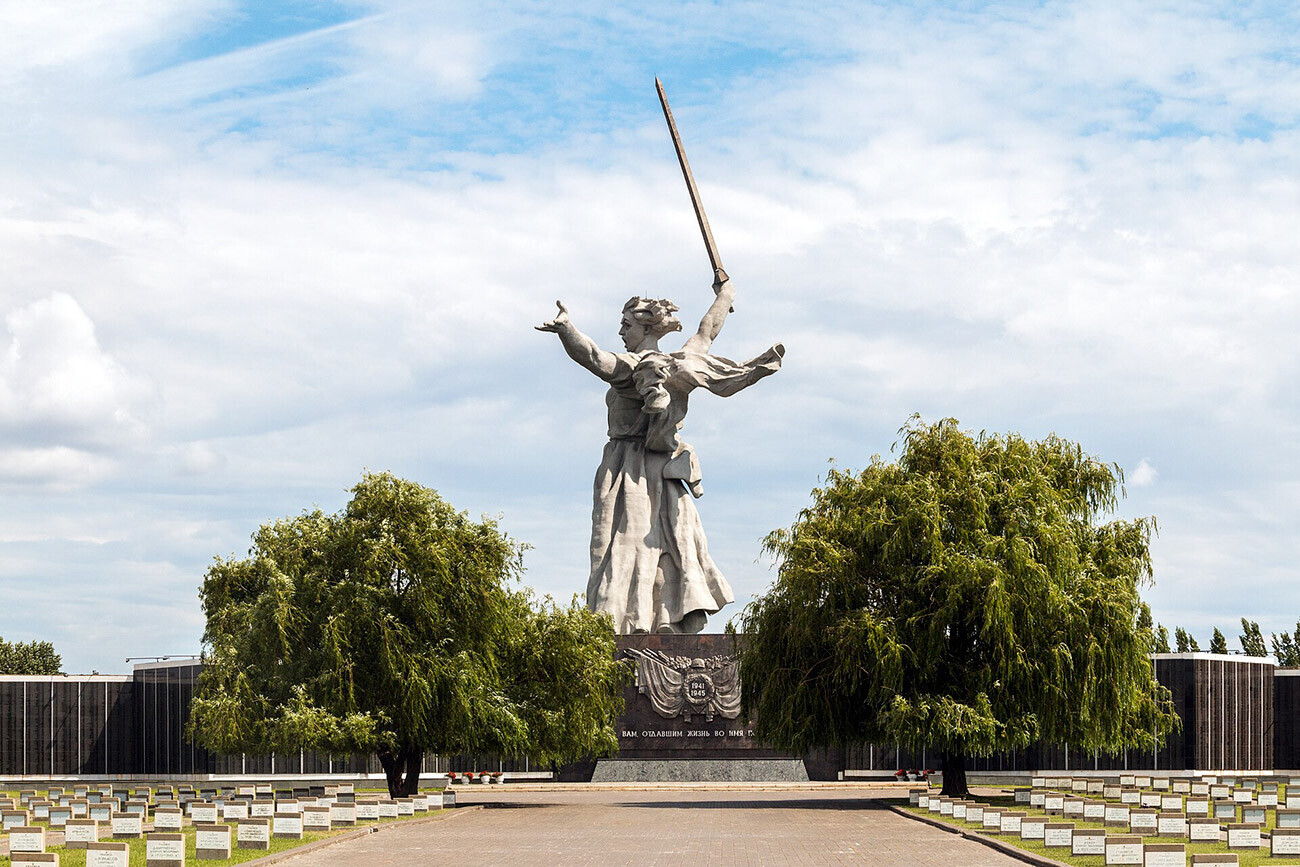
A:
[914,796]
[108,855]
[1142,821]
[1197,805]
[1031,827]
[1124,850]
[262,808]
[264,789]
[945,806]
[1215,859]
[232,811]
[1226,810]
[34,859]
[1054,803]
[1094,811]
[1266,799]
[387,808]
[80,791]
[203,812]
[80,808]
[1203,830]
[288,805]
[1160,784]
[1058,835]
[1284,841]
[1243,835]
[1170,803]
[1164,855]
[1088,841]
[127,825]
[1171,825]
[1254,813]
[1285,817]
[59,816]
[1250,783]
[164,849]
[1111,791]
[318,818]
[1127,780]
[448,798]
[1228,780]
[958,809]
[1197,787]
[212,842]
[923,801]
[975,814]
[1131,796]
[346,814]
[287,826]
[1079,784]
[992,818]
[421,803]
[168,819]
[1243,796]
[1021,795]
[13,819]
[40,810]
[101,812]
[1142,781]
[406,806]
[137,806]
[78,832]
[1117,815]
[27,838]
[1037,797]
[1182,787]
[254,833]
[1096,786]
[1150,800]
[1293,798]
[368,810]
[1010,823]
[1038,782]
[1219,792]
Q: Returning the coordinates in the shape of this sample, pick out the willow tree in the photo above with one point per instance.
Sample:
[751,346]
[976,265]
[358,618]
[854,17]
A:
[392,627]
[968,598]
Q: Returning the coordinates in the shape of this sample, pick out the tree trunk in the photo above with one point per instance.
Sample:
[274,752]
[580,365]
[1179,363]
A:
[954,775]
[412,758]
[392,764]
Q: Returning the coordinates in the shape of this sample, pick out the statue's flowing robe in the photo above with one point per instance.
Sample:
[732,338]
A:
[650,564]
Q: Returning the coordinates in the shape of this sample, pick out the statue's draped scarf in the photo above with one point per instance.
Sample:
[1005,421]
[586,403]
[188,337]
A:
[650,564]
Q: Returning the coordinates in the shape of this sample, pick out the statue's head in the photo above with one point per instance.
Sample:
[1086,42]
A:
[644,317]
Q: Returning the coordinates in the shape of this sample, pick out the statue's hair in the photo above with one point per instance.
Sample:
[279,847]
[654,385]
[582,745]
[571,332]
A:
[656,314]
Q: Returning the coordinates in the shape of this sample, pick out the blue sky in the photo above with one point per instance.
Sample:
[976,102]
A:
[249,250]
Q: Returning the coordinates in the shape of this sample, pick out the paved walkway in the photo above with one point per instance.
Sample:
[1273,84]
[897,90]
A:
[664,827]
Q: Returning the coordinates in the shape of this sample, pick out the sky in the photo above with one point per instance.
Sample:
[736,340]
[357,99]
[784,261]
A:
[250,250]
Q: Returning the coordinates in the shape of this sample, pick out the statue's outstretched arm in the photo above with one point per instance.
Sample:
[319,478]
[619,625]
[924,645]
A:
[712,322]
[580,347]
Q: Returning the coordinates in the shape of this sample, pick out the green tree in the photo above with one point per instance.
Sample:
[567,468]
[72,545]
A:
[390,627]
[1287,648]
[1186,643]
[1161,644]
[29,657]
[1252,642]
[1218,644]
[965,598]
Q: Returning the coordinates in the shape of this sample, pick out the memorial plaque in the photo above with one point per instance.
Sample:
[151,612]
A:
[1203,830]
[1037,798]
[1094,811]
[1142,781]
[287,826]
[108,855]
[1293,800]
[1031,827]
[1285,841]
[254,833]
[1010,823]
[1170,803]
[1117,815]
[1124,850]
[421,803]
[1199,788]
[1164,855]
[1133,797]
[13,819]
[168,819]
[40,810]
[368,810]
[28,838]
[1228,781]
[1243,835]
[265,789]
[1217,859]
[203,812]
[923,801]
[1111,791]
[1127,780]
[34,859]
[1196,805]
[1285,817]
[345,814]
[1079,784]
[945,807]
[958,807]
[975,814]
[1038,782]
[1254,813]
[1142,821]
[78,832]
[212,842]
[993,817]
[1182,787]
[80,808]
[101,812]
[1095,786]
[1054,803]
[448,798]
[141,807]
[316,818]
[1088,841]
[1058,835]
[1226,810]
[1150,800]
[1171,825]
[127,825]
[59,816]
[1219,791]
[262,809]
[1250,783]
[388,809]
[163,849]
[233,811]
[914,796]
[1266,799]
[1160,784]
[1021,795]
[1243,796]
[1269,786]
[288,805]
[250,791]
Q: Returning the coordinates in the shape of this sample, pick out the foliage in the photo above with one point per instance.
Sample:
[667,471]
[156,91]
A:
[1286,647]
[1161,643]
[1218,643]
[29,657]
[1252,642]
[389,628]
[1185,642]
[966,598]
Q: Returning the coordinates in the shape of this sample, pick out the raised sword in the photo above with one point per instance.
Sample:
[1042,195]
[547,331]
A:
[720,274]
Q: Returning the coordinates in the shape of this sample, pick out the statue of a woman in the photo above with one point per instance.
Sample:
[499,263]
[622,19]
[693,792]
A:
[650,564]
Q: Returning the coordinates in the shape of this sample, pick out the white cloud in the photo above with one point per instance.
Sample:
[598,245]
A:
[1143,475]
